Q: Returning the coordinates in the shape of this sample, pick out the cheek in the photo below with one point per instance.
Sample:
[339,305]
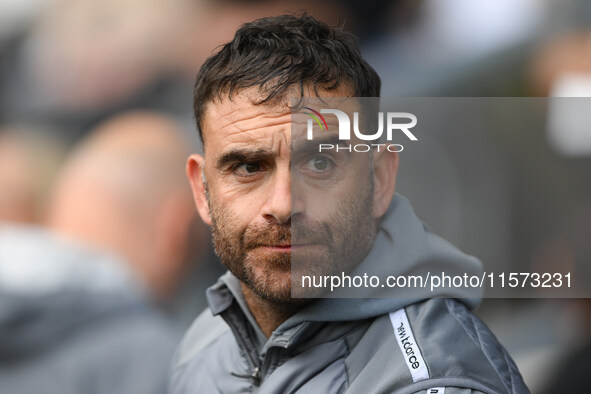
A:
[236,193]
[323,198]
[232,215]
[335,201]
[242,199]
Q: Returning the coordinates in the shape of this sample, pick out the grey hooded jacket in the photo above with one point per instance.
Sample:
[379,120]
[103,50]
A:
[415,344]
[73,321]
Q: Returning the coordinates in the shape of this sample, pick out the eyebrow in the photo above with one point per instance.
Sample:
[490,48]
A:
[312,145]
[243,156]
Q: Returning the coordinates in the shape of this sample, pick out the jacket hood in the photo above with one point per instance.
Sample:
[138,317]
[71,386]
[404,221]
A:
[48,286]
[403,246]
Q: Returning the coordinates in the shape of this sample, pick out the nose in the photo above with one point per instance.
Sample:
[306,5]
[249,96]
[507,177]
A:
[278,205]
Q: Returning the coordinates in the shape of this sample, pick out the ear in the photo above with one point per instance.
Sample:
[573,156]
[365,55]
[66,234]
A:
[385,170]
[195,169]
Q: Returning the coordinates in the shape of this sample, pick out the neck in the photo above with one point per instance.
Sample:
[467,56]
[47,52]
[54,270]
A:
[268,315]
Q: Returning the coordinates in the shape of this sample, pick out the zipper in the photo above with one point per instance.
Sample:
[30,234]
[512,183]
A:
[255,375]
[270,358]
[258,373]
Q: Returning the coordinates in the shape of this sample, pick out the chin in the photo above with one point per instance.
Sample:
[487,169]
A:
[272,284]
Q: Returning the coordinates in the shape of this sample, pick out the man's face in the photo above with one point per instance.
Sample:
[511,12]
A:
[271,201]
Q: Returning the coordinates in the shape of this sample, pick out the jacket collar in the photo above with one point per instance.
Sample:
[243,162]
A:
[225,299]
[403,246]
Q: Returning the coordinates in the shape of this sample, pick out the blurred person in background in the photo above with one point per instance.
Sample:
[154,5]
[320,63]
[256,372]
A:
[550,225]
[80,61]
[561,66]
[123,191]
[77,309]
[29,159]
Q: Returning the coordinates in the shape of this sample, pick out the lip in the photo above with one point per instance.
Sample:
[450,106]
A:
[285,248]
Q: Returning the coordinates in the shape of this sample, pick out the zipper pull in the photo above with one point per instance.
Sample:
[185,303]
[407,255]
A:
[255,376]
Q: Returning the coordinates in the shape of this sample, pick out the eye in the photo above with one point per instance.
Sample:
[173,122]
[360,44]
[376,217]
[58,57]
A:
[318,164]
[247,169]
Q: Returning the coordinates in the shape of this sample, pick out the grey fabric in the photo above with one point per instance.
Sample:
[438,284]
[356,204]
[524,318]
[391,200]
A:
[403,246]
[81,328]
[349,345]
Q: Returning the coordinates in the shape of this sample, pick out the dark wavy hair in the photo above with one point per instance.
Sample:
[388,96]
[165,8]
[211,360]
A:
[277,53]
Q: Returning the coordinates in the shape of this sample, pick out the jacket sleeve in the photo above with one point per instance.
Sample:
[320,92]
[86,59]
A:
[428,345]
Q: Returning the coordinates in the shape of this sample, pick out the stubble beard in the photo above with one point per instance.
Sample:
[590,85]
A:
[347,237]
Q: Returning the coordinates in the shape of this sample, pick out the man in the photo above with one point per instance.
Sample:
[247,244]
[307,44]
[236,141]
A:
[121,191]
[76,300]
[269,205]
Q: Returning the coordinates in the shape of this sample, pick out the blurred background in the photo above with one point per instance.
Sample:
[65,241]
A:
[95,107]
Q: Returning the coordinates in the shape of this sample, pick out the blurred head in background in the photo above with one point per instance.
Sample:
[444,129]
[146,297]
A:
[93,54]
[562,66]
[123,191]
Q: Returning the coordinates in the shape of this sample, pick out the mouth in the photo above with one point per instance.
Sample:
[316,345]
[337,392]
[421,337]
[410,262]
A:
[285,248]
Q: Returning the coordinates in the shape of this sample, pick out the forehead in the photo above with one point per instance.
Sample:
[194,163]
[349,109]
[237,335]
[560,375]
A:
[240,119]
[240,114]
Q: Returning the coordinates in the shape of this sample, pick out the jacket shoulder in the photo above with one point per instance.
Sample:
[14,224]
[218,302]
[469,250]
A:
[205,329]
[430,345]
[458,343]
